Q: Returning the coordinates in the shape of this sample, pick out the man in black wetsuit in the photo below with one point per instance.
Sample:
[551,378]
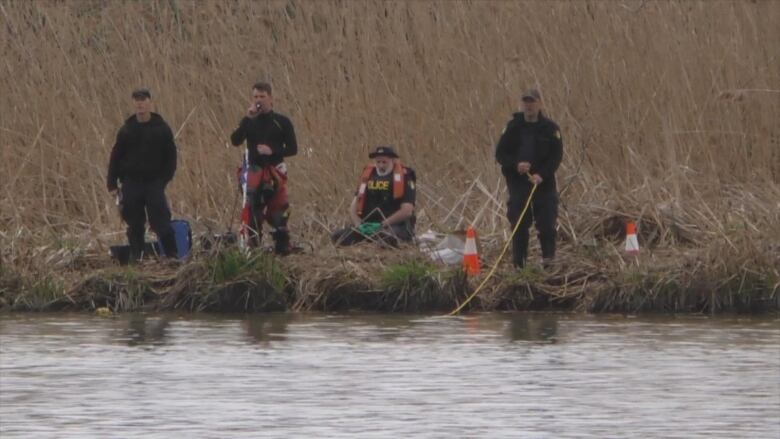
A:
[270,137]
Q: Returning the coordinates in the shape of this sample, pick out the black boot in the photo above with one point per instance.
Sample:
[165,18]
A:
[281,241]
[135,237]
[547,242]
[519,250]
[169,245]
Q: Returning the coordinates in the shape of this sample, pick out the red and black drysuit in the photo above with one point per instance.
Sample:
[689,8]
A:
[267,174]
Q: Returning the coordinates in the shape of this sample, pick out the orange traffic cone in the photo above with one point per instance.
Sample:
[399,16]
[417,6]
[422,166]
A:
[632,244]
[470,255]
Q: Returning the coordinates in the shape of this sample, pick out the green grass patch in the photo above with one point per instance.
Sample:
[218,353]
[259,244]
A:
[233,264]
[44,293]
[133,292]
[239,281]
[123,289]
[530,274]
[419,285]
[409,276]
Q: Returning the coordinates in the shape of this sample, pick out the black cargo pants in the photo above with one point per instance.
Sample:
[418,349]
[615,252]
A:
[543,212]
[139,199]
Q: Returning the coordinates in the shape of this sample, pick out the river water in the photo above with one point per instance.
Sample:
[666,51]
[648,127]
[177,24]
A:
[390,376]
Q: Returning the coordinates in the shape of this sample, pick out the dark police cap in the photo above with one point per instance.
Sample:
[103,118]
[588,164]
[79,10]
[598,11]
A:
[142,93]
[385,151]
[531,93]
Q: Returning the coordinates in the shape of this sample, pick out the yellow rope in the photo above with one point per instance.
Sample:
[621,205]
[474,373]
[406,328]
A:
[501,256]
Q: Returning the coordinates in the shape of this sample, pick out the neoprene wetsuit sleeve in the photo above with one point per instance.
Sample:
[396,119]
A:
[290,144]
[239,135]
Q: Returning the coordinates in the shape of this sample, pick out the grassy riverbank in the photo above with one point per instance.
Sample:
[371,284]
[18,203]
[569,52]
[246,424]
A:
[724,276]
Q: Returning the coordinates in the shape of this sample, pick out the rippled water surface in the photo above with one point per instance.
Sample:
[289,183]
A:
[489,375]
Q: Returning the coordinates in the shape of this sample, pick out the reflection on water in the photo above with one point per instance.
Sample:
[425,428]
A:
[145,330]
[266,328]
[540,327]
[487,375]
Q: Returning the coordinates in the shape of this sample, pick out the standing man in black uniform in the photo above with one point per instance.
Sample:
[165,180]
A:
[144,160]
[270,137]
[383,206]
[529,152]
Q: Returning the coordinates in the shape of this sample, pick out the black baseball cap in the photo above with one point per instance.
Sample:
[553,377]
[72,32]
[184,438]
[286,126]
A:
[531,93]
[385,151]
[142,93]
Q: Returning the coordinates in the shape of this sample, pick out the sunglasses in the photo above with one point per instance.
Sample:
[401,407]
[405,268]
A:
[529,99]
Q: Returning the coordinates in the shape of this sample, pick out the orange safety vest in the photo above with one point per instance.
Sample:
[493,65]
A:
[399,183]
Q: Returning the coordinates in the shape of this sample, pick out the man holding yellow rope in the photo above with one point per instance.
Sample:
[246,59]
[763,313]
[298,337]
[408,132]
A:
[529,152]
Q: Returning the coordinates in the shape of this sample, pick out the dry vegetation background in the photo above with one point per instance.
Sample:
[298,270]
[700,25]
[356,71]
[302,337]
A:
[669,110]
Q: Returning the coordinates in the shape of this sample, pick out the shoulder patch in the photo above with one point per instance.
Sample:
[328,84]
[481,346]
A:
[557,134]
[411,185]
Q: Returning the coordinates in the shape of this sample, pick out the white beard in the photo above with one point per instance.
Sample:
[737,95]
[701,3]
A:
[382,174]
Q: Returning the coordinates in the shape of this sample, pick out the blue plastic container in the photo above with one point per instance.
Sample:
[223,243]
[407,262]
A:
[183,233]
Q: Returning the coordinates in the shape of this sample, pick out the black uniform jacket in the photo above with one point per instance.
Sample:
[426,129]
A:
[143,152]
[545,155]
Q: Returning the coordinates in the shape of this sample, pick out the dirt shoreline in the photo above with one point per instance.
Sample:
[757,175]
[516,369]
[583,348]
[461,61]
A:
[368,279]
